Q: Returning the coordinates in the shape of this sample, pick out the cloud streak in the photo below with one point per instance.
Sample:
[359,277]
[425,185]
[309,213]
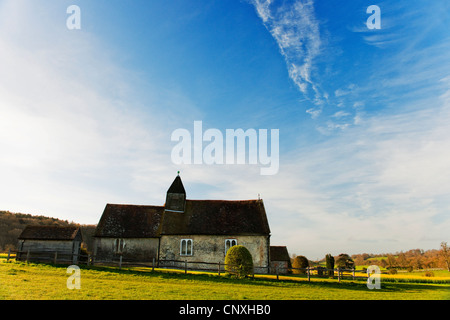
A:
[296,31]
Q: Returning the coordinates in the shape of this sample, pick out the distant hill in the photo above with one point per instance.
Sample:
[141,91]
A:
[12,225]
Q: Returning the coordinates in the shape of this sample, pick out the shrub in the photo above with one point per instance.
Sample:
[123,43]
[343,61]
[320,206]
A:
[300,262]
[428,274]
[239,261]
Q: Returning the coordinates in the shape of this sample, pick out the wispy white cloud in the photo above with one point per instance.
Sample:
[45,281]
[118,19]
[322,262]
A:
[343,92]
[340,114]
[296,30]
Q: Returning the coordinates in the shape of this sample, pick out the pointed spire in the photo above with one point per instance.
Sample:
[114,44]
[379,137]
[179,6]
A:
[176,196]
[177,186]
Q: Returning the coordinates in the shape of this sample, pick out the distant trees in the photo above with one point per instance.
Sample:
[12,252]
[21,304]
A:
[344,261]
[408,260]
[445,253]
[391,262]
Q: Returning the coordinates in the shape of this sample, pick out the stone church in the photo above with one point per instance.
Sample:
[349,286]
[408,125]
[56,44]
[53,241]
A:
[183,230]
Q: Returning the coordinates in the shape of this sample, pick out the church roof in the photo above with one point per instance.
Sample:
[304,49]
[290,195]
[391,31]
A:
[218,217]
[129,221]
[205,217]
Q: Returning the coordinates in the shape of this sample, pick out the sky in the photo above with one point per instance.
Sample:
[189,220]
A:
[86,114]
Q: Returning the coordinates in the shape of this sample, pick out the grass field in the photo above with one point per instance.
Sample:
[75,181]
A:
[46,282]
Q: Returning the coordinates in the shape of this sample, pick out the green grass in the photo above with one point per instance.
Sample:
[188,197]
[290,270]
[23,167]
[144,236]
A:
[46,282]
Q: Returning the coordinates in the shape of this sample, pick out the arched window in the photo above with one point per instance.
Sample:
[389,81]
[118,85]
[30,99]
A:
[186,247]
[229,243]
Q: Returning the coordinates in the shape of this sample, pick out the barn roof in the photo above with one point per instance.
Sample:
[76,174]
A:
[218,217]
[129,221]
[50,233]
[279,253]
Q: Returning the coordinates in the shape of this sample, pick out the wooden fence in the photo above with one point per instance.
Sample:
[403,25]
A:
[184,265]
[55,257]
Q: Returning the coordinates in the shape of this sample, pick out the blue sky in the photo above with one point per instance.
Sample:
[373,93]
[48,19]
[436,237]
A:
[87,115]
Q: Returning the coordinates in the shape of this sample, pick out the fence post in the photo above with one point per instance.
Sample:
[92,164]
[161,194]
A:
[56,257]
[28,255]
[277,272]
[185,266]
[9,254]
[89,259]
[153,264]
[308,271]
[120,262]
[218,269]
[353,274]
[339,274]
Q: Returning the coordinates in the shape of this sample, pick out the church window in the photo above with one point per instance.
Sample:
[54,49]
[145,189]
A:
[186,247]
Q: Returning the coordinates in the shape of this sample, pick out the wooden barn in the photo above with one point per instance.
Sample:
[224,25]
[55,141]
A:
[184,230]
[40,243]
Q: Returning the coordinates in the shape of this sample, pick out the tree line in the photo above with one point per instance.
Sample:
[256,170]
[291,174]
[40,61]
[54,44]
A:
[411,260]
[414,259]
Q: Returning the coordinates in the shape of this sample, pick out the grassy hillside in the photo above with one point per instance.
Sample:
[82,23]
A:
[39,281]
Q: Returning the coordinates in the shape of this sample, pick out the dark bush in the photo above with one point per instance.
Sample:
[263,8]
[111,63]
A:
[300,262]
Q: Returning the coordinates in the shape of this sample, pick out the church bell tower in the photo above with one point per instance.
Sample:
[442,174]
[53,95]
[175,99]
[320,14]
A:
[176,196]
